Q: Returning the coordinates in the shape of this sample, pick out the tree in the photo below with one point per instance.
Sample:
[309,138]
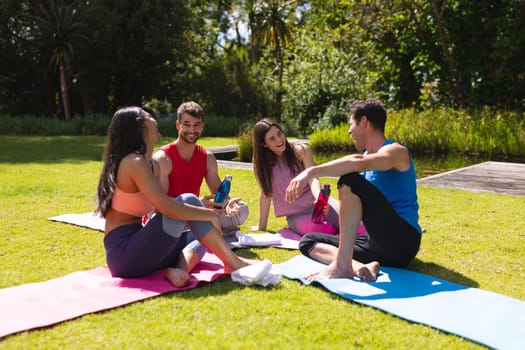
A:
[270,27]
[327,69]
[20,82]
[60,27]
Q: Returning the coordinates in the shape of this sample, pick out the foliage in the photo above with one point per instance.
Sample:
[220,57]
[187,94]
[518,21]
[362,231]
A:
[321,78]
[299,62]
[335,139]
[61,28]
[270,24]
[246,145]
[458,245]
[98,125]
[230,80]
[440,131]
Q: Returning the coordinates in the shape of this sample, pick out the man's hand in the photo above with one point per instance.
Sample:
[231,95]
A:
[296,186]
[216,223]
[208,201]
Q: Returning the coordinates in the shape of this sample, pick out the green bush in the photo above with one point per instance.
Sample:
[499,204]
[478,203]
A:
[97,125]
[441,131]
[245,145]
[434,131]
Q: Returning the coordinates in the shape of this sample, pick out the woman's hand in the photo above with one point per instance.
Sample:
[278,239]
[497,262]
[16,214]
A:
[232,208]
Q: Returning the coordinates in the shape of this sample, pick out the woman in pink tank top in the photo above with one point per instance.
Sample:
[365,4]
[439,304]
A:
[275,163]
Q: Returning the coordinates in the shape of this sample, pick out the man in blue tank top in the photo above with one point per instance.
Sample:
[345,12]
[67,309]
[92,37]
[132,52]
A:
[377,187]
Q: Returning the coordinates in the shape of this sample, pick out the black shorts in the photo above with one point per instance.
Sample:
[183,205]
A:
[390,240]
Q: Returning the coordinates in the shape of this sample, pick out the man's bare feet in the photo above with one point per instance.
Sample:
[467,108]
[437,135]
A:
[332,271]
[177,276]
[368,272]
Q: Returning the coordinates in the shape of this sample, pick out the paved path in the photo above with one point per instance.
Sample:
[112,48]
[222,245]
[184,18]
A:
[229,152]
[492,177]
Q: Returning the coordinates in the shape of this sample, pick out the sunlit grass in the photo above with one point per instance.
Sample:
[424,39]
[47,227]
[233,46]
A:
[473,239]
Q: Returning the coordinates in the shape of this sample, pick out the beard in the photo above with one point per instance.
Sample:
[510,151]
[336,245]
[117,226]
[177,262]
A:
[189,139]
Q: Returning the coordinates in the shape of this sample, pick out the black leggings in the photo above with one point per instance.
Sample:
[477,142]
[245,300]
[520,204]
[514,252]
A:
[390,240]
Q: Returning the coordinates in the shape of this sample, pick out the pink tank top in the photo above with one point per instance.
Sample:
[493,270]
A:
[131,203]
[281,176]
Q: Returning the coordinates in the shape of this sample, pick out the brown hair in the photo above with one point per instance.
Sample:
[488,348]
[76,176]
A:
[191,108]
[264,159]
[371,108]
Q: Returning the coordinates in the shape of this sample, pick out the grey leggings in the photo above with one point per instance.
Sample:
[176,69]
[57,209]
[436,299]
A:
[232,223]
[135,250]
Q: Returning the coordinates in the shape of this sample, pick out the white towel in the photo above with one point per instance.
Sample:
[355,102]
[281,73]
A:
[258,273]
[257,239]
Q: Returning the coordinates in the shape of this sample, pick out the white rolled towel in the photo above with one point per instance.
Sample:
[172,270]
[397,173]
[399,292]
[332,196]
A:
[258,273]
[257,239]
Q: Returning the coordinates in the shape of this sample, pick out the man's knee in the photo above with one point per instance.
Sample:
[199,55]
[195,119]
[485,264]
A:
[243,213]
[232,223]
[345,194]
[189,198]
[306,244]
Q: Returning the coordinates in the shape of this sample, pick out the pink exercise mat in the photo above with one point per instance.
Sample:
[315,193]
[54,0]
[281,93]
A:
[41,304]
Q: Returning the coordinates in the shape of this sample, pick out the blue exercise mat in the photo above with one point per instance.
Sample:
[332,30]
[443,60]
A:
[485,317]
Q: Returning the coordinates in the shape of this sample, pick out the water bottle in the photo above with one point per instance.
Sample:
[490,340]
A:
[318,215]
[223,191]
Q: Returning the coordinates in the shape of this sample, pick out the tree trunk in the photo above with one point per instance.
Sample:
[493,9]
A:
[85,94]
[65,92]
[280,74]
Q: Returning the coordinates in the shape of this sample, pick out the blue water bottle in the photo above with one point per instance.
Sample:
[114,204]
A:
[223,191]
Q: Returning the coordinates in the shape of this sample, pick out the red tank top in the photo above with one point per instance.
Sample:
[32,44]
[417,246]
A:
[186,176]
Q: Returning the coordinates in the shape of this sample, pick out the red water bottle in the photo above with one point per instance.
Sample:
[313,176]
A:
[318,215]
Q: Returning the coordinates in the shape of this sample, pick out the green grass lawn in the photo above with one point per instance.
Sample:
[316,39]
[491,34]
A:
[472,239]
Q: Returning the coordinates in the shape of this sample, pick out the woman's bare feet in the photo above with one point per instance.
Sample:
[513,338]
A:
[237,264]
[177,276]
[367,272]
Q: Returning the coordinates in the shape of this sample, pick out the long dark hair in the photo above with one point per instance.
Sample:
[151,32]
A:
[124,137]
[264,159]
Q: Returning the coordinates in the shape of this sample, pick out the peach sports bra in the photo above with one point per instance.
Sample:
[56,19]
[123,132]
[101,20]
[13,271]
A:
[131,203]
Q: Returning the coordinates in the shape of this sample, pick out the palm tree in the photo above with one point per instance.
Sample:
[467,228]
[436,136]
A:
[268,21]
[60,27]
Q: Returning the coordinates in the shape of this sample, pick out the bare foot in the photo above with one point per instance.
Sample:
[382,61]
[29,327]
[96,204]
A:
[177,276]
[332,271]
[368,272]
[239,264]
[243,262]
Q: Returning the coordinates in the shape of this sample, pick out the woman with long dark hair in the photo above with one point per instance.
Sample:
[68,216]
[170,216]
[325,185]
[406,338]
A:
[128,189]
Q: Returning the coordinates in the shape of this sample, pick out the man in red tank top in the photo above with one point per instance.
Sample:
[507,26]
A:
[184,165]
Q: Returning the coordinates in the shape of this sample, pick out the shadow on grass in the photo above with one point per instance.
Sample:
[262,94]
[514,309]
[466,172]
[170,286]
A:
[221,286]
[432,269]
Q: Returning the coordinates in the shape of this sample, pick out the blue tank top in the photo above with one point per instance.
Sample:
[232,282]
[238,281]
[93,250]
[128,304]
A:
[399,188]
